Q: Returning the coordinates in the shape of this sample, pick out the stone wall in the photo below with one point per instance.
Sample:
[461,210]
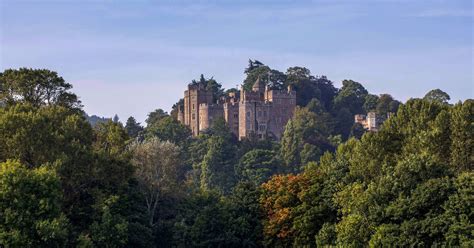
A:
[193,97]
[261,111]
[231,116]
[208,113]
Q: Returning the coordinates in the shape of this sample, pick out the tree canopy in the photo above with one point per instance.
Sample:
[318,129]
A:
[37,87]
[327,183]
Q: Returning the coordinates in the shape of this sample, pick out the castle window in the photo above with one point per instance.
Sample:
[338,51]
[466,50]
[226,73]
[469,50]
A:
[261,128]
[236,115]
[193,105]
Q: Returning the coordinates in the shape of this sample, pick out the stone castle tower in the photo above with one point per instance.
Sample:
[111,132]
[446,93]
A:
[261,111]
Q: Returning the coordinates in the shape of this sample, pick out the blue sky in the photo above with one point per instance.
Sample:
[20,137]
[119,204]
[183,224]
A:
[131,57]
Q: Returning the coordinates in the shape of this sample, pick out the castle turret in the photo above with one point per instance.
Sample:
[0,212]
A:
[258,86]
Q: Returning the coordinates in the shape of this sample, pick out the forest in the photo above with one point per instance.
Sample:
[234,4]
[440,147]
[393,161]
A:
[68,182]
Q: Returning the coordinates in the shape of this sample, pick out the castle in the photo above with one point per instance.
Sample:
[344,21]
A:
[262,111]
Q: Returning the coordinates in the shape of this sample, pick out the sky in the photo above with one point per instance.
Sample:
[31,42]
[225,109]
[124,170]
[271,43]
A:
[131,57]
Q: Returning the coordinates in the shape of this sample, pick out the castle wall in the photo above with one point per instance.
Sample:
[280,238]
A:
[180,116]
[260,111]
[372,121]
[246,120]
[231,116]
[208,113]
[283,106]
[193,97]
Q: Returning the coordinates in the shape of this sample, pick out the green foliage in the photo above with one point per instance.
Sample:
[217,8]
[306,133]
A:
[459,212]
[304,140]
[205,219]
[351,96]
[36,87]
[217,165]
[30,200]
[158,171]
[256,70]
[309,87]
[202,222]
[357,131]
[169,129]
[438,96]
[132,127]
[397,186]
[386,104]
[257,166]
[370,102]
[213,157]
[64,183]
[111,228]
[39,135]
[155,116]
[462,131]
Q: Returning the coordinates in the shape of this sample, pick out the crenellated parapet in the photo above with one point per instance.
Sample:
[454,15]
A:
[261,111]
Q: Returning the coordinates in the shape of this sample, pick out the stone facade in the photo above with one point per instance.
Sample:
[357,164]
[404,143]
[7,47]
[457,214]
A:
[193,98]
[371,121]
[263,112]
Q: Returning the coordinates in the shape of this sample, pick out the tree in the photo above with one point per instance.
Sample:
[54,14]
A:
[278,200]
[386,104]
[36,87]
[116,118]
[31,201]
[462,131]
[304,139]
[458,211]
[111,230]
[132,127]
[357,131]
[370,102]
[309,87]
[351,96]
[155,116]
[217,167]
[257,166]
[253,64]
[246,214]
[37,136]
[169,129]
[203,221]
[213,156]
[112,169]
[438,96]
[158,170]
[256,70]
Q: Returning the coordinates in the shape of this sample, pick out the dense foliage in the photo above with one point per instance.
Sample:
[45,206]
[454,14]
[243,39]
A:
[328,182]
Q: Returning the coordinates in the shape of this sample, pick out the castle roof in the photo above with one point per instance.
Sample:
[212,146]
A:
[258,85]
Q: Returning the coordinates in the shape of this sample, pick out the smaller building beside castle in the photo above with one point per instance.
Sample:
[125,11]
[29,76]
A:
[262,111]
[372,121]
